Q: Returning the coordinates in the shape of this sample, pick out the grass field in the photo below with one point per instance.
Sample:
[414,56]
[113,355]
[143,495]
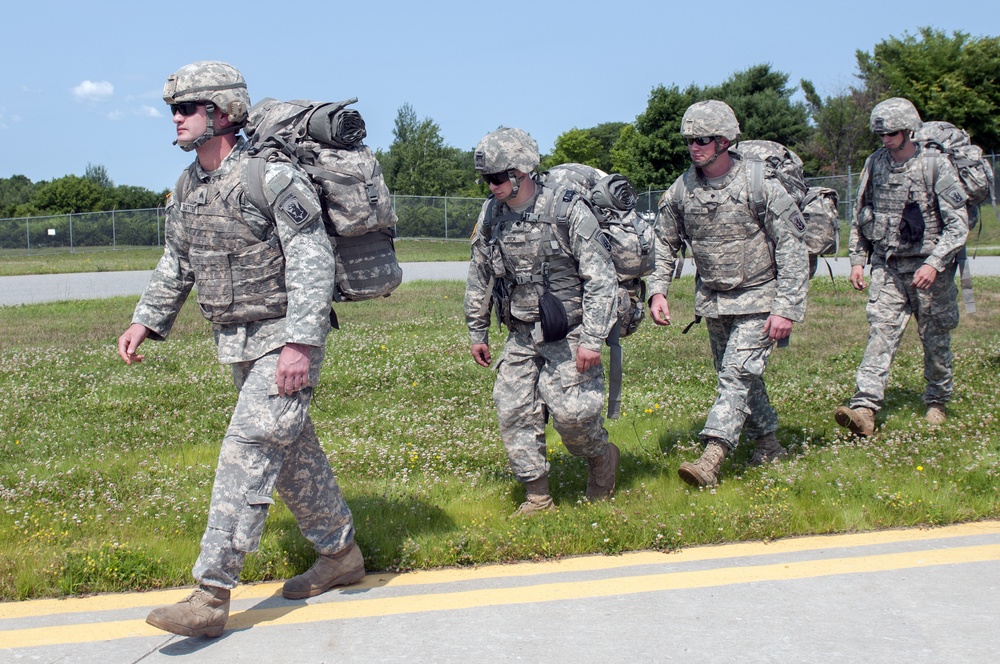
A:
[105,470]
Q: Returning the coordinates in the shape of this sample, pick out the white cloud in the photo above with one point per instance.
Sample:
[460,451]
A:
[150,112]
[116,115]
[94,91]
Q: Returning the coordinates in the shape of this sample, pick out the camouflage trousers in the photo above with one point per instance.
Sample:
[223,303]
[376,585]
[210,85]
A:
[740,349]
[270,444]
[892,299]
[535,380]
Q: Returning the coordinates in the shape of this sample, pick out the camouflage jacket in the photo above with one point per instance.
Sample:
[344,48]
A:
[595,299]
[886,188]
[308,260]
[774,275]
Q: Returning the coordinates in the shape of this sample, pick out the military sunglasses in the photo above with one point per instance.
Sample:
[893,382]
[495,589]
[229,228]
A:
[701,140]
[185,108]
[496,178]
[891,134]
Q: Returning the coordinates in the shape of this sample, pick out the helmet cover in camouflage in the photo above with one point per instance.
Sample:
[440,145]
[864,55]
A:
[895,114]
[505,149]
[212,81]
[710,118]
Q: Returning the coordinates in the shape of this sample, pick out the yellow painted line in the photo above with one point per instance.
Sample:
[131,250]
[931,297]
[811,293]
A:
[545,592]
[118,601]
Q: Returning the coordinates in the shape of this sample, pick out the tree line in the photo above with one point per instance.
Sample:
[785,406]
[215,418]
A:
[952,77]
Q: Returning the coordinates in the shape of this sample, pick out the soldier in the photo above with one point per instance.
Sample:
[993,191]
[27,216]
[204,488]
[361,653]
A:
[751,282]
[266,286]
[554,286]
[911,221]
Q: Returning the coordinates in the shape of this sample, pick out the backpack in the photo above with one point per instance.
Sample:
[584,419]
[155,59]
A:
[612,199]
[325,141]
[819,209]
[779,162]
[973,169]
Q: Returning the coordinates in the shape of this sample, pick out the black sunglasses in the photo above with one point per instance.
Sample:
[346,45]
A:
[701,140]
[185,108]
[891,134]
[496,178]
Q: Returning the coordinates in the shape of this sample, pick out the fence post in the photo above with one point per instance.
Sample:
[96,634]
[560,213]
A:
[850,187]
[158,243]
[27,234]
[114,239]
[71,248]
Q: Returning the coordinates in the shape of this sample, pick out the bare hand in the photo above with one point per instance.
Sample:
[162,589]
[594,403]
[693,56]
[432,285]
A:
[481,354]
[293,369]
[924,277]
[777,327]
[129,342]
[586,359]
[858,277]
[659,310]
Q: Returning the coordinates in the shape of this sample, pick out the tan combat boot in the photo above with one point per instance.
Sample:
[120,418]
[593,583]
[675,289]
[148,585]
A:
[203,613]
[861,421]
[935,414]
[339,569]
[537,500]
[704,471]
[602,472]
[768,449]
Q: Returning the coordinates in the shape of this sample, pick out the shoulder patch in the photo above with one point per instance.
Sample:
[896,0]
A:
[798,222]
[293,209]
[955,195]
[602,238]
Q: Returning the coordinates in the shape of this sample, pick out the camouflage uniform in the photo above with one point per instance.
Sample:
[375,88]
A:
[277,291]
[877,232]
[746,271]
[537,378]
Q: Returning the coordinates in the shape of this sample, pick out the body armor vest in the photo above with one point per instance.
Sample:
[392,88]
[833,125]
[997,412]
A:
[239,270]
[535,256]
[728,242]
[893,186]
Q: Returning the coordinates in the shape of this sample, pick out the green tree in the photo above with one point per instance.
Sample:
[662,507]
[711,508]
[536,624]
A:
[586,146]
[98,174]
[418,163]
[842,138]
[762,101]
[954,78]
[14,191]
[64,195]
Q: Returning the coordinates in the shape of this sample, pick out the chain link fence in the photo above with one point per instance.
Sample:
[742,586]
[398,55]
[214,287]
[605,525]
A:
[439,217]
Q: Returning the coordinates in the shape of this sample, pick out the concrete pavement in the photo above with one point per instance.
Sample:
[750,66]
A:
[892,596]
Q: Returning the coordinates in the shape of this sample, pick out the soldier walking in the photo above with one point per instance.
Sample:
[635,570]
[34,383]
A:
[750,286]
[554,287]
[266,286]
[911,222]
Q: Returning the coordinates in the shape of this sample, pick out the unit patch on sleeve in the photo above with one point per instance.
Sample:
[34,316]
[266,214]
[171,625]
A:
[293,209]
[955,195]
[797,222]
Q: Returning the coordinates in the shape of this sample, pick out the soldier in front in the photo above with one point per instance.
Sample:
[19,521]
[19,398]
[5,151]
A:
[265,282]
[751,281]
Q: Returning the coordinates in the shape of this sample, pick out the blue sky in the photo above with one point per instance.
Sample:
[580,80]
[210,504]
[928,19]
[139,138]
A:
[81,81]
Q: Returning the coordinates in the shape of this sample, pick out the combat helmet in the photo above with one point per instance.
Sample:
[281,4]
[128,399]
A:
[895,114]
[505,150]
[218,85]
[710,118]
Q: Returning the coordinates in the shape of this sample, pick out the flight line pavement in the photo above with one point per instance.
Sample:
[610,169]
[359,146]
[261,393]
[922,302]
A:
[913,596]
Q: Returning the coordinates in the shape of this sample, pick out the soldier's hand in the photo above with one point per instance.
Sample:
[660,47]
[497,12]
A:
[777,327]
[858,277]
[481,354]
[586,359]
[293,369]
[659,310]
[924,277]
[129,342]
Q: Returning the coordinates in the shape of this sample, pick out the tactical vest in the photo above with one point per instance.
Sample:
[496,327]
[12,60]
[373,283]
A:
[727,240]
[536,256]
[895,185]
[239,271]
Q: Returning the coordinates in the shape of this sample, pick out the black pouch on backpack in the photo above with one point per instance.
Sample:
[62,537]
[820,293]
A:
[552,314]
[911,226]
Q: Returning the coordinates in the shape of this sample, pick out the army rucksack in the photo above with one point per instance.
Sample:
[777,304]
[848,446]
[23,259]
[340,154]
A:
[612,199]
[973,169]
[325,141]
[779,162]
[822,219]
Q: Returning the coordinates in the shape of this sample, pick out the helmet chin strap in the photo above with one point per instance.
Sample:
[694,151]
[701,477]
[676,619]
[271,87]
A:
[907,134]
[210,131]
[514,186]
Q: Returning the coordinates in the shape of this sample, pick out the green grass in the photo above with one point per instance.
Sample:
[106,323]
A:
[145,258]
[106,470]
